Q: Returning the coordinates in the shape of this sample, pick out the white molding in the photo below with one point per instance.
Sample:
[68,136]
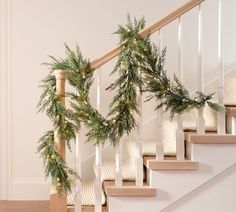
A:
[5,101]
[11,187]
[37,181]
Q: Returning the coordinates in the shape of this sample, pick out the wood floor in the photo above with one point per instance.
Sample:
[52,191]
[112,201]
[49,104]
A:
[24,206]
[36,206]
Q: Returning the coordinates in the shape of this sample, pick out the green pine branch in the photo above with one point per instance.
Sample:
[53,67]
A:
[172,95]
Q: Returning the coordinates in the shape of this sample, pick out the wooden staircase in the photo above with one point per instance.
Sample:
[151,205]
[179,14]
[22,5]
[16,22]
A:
[171,166]
[176,180]
[170,179]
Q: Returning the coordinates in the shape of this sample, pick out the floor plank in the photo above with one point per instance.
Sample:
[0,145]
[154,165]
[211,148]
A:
[37,206]
[24,206]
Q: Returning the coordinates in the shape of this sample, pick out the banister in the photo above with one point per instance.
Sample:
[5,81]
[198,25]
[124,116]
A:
[148,30]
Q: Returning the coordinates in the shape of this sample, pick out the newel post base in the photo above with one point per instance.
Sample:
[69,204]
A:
[58,202]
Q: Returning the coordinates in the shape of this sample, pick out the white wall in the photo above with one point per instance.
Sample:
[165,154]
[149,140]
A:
[32,29]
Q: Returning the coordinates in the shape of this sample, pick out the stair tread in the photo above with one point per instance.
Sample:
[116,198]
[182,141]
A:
[210,138]
[170,163]
[128,190]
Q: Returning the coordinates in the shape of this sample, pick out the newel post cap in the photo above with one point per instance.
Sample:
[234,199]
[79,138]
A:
[60,74]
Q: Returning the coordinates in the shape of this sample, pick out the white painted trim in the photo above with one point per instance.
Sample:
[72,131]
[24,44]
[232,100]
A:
[5,101]
[30,181]
[2,146]
[10,186]
[9,90]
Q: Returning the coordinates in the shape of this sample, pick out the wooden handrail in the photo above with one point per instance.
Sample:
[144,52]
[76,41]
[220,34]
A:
[149,30]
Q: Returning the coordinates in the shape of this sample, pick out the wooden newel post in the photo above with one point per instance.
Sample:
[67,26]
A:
[58,202]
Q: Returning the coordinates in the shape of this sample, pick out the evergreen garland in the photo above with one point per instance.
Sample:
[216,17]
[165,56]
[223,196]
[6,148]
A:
[119,121]
[138,57]
[172,95]
[66,124]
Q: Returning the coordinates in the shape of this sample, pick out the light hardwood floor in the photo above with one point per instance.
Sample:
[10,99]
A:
[36,206]
[24,206]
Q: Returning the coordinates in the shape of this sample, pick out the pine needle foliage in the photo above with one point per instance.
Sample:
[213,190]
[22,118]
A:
[140,67]
[64,122]
[55,166]
[170,94]
[124,104]
[120,120]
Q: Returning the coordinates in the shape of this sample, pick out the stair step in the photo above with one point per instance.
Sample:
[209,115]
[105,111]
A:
[128,190]
[170,163]
[86,209]
[210,138]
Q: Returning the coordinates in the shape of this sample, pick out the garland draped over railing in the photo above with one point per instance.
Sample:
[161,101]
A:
[138,58]
[172,95]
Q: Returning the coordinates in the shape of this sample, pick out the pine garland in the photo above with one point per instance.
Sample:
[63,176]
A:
[138,58]
[171,95]
[66,123]
[119,121]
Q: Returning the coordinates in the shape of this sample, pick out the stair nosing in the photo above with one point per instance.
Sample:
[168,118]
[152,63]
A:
[210,138]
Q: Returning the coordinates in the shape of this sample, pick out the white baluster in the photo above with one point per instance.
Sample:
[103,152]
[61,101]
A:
[98,156]
[180,138]
[119,172]
[221,114]
[159,145]
[233,126]
[180,133]
[200,119]
[139,159]
[78,169]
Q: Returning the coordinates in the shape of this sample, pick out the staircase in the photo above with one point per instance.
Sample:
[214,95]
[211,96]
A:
[149,176]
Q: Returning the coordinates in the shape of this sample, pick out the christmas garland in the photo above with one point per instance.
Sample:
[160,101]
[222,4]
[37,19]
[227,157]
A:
[171,95]
[119,121]
[66,123]
[138,58]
